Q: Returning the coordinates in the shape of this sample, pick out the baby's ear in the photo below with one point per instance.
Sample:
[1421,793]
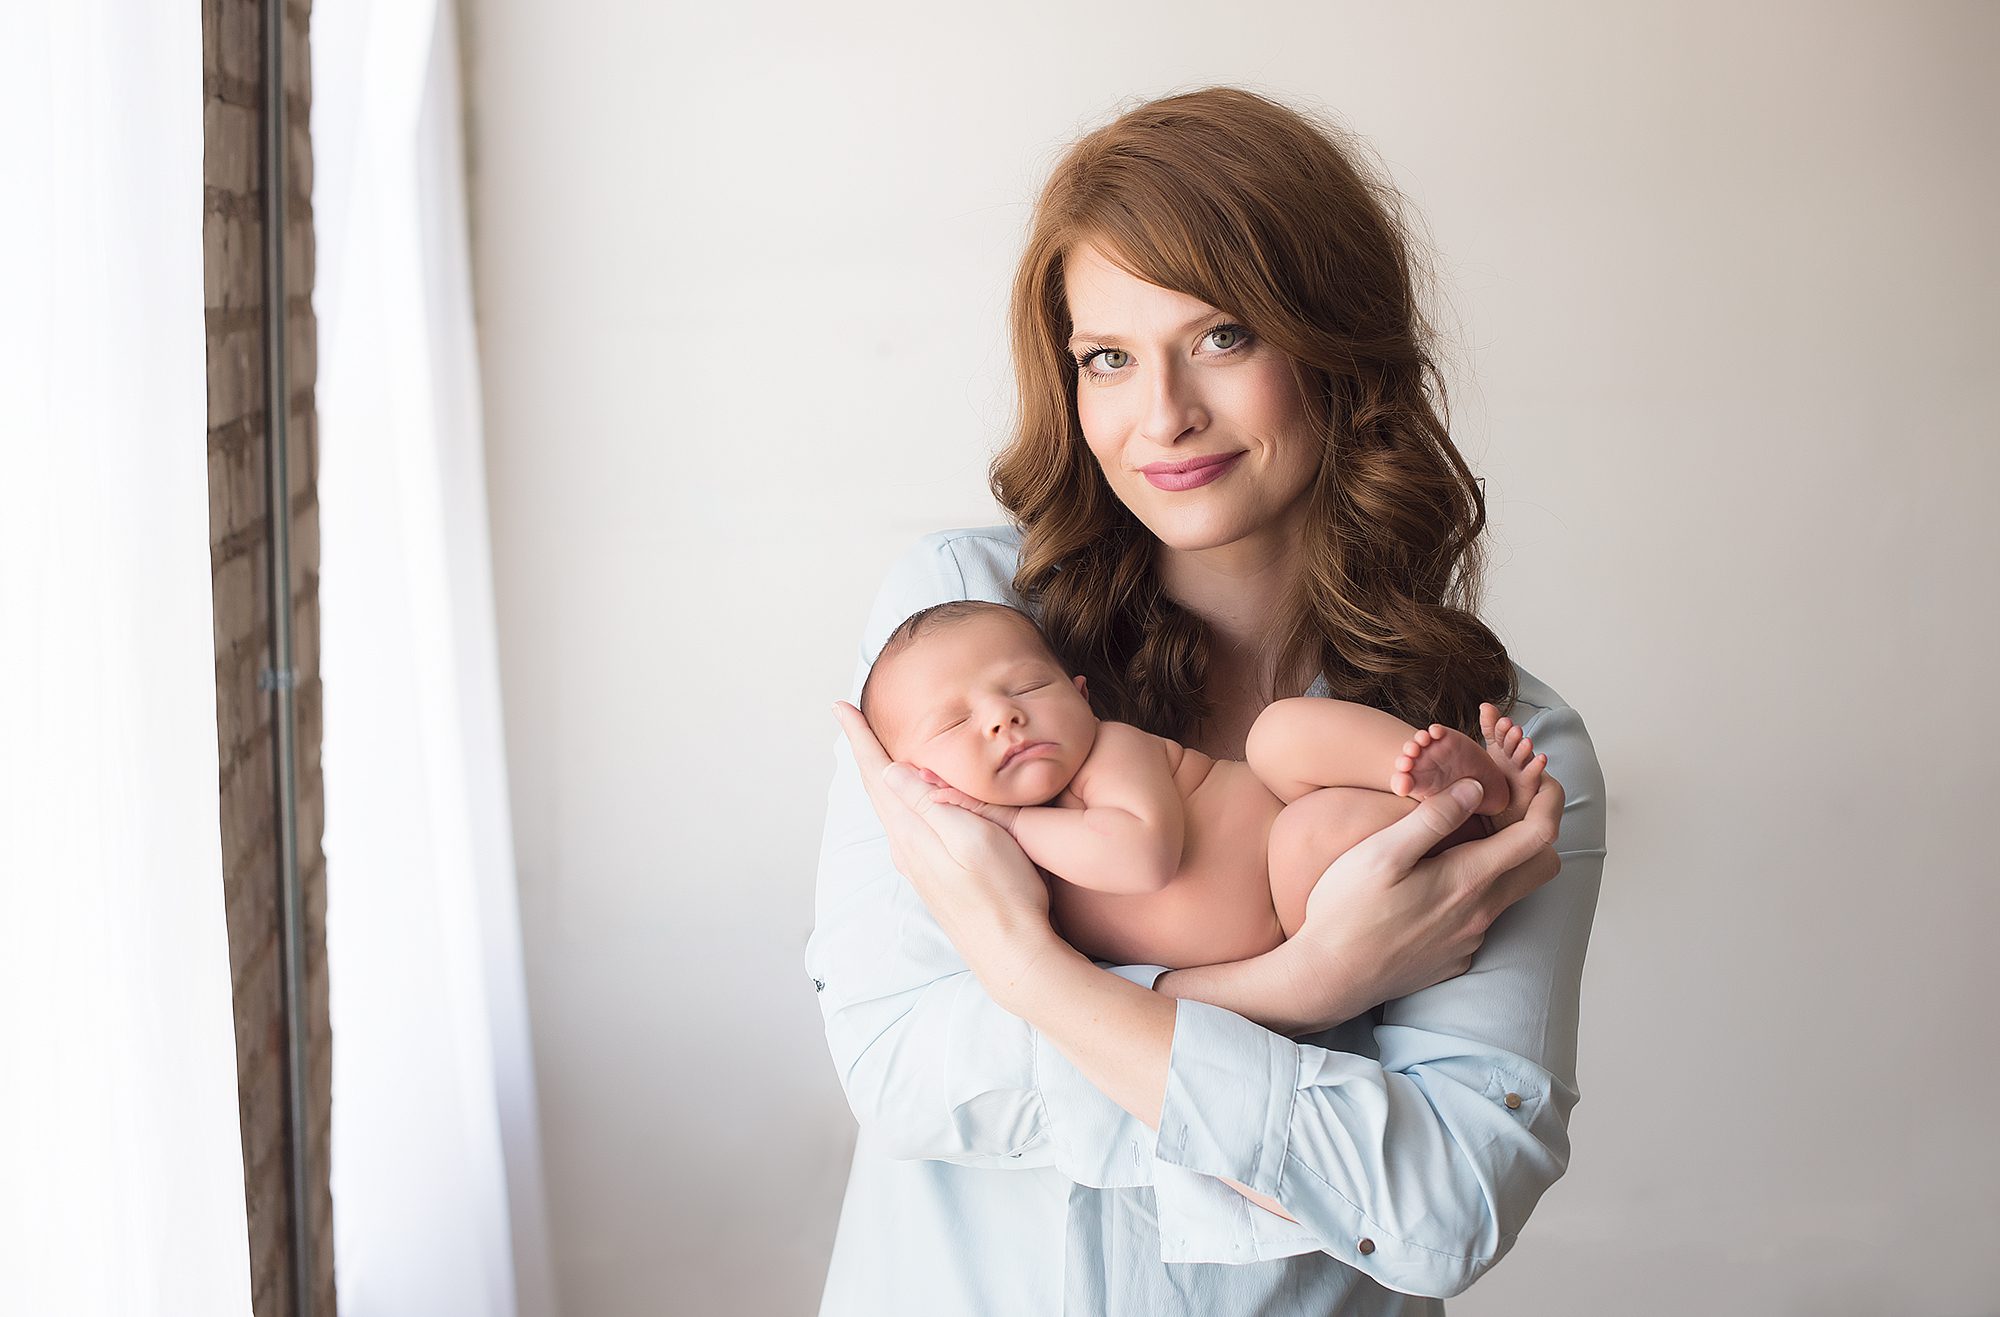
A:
[1082,685]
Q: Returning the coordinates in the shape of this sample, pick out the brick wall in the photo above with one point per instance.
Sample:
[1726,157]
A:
[239,539]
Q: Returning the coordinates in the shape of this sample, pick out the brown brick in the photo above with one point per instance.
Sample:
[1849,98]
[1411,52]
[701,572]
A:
[242,39]
[311,820]
[264,1118]
[238,720]
[299,472]
[232,263]
[298,165]
[235,377]
[304,526]
[211,39]
[305,649]
[242,607]
[298,257]
[252,905]
[302,358]
[231,138]
[236,480]
[298,60]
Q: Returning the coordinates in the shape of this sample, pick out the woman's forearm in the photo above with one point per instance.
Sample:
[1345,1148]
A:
[1117,1034]
[1285,990]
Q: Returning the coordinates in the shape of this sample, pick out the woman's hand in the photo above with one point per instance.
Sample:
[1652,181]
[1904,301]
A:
[1384,921]
[984,892]
[944,793]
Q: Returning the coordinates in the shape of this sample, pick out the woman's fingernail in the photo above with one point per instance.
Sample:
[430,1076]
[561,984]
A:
[1467,792]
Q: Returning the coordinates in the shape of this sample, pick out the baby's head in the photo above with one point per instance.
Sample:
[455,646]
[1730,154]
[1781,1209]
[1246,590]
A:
[959,685]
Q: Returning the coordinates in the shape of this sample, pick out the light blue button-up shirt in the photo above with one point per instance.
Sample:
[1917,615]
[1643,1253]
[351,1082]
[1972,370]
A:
[990,1177]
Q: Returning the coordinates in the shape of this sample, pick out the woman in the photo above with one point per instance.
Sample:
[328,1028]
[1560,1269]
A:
[1210,281]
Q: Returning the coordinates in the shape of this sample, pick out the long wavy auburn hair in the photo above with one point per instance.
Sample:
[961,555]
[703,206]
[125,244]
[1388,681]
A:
[1263,213]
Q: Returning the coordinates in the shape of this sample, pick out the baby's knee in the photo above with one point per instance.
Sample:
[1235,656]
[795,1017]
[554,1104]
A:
[1279,728]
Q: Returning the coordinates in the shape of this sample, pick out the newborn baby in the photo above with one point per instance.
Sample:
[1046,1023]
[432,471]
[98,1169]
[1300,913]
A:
[1161,855]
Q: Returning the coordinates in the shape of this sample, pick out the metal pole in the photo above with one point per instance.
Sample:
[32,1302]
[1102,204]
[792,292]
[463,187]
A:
[280,677]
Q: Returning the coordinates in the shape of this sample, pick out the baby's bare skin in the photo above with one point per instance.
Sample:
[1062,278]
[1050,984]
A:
[1157,853]
[1259,833]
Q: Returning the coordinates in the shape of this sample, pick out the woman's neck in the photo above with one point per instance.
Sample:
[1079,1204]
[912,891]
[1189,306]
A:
[1239,590]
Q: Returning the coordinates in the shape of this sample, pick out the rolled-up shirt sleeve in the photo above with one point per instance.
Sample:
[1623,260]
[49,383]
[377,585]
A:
[1418,1166]
[929,1064]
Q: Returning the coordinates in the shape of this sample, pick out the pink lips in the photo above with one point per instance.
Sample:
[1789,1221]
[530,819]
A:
[1190,474]
[1025,748]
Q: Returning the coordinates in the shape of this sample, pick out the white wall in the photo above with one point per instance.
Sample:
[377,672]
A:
[1721,278]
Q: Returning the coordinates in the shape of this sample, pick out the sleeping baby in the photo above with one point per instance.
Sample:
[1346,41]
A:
[1158,854]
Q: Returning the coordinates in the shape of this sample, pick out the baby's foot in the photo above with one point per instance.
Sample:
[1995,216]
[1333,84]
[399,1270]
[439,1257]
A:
[1511,749]
[1437,756]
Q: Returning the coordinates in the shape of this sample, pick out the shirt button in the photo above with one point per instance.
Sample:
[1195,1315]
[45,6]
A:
[1513,1101]
[1367,1247]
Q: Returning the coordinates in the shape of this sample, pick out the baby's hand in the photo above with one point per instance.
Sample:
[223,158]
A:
[945,794]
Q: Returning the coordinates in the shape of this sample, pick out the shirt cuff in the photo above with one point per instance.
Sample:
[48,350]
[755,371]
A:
[1096,1141]
[1228,1108]
[1227,1113]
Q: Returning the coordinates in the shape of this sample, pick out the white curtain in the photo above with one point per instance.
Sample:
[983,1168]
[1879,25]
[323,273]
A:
[121,1168]
[437,1187]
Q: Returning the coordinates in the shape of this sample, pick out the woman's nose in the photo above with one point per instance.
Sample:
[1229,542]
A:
[1172,406]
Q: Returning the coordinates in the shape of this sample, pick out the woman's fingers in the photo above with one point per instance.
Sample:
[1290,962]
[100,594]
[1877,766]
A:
[868,751]
[1517,859]
[869,757]
[1398,847]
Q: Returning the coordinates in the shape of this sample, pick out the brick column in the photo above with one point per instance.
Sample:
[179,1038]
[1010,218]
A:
[239,537]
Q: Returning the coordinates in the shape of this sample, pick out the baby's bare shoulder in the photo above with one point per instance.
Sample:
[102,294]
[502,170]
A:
[1124,751]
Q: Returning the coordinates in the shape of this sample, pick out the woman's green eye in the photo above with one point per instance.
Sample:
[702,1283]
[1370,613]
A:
[1225,337]
[1114,359]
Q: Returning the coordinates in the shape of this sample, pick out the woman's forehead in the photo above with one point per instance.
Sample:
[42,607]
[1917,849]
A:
[1097,287]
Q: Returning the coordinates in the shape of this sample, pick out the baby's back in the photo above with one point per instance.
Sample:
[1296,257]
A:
[1218,906]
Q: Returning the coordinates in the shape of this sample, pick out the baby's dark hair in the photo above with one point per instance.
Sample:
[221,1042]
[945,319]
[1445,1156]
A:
[913,627]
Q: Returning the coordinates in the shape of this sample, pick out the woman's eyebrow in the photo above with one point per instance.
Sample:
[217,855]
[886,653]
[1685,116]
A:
[1090,336]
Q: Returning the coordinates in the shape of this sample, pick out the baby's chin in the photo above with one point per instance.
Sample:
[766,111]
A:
[1038,791]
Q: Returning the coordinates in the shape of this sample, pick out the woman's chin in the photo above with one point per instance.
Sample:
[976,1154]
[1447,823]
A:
[1192,532]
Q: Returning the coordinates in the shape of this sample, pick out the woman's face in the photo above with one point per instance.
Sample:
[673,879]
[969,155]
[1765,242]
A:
[1166,380]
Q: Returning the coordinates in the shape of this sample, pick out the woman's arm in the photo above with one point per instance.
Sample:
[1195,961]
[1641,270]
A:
[932,1064]
[929,1063]
[1435,1149]
[1418,1165]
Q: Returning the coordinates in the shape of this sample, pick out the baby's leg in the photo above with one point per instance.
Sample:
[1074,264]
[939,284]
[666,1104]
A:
[1317,828]
[1300,745]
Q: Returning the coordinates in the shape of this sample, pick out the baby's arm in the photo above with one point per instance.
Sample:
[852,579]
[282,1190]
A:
[1128,836]
[1126,831]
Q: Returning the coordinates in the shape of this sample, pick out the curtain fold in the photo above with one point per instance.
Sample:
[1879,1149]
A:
[438,1198]
[121,1165]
